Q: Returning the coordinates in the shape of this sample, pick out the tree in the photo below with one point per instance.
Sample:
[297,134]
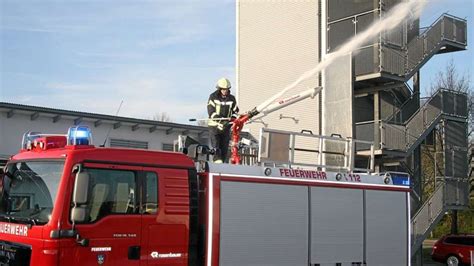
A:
[162,117]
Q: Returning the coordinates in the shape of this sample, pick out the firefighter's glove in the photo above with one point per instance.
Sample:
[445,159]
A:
[220,126]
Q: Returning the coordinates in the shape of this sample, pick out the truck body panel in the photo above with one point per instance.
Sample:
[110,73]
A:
[271,220]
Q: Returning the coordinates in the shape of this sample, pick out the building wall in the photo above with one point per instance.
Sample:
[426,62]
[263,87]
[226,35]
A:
[277,41]
[13,128]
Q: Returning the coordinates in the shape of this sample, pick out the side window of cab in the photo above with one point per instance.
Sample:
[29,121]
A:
[150,204]
[120,192]
[111,192]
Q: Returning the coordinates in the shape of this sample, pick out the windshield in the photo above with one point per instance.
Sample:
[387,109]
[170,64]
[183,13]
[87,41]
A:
[29,191]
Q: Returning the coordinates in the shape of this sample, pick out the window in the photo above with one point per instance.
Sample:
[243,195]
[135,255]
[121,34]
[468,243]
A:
[31,189]
[451,240]
[167,147]
[468,241]
[111,192]
[123,143]
[151,196]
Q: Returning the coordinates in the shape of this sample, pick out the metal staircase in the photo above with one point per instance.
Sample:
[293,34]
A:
[447,34]
[427,217]
[451,183]
[450,194]
[385,62]
[446,110]
[406,137]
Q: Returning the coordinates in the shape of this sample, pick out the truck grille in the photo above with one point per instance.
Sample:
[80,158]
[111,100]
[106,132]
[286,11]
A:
[12,254]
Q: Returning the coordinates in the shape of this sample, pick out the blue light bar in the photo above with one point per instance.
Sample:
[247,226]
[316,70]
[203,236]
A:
[400,180]
[80,135]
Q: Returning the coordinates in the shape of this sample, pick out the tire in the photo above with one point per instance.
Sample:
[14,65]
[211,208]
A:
[453,260]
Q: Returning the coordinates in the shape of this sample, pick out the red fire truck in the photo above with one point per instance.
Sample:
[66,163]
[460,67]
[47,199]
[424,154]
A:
[66,202]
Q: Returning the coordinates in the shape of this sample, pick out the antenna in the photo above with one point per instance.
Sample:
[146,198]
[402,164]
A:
[108,132]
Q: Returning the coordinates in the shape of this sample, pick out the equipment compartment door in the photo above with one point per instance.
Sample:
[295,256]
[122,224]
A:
[113,225]
[165,217]
[387,228]
[263,224]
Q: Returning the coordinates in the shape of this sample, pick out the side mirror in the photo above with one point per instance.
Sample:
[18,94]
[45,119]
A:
[81,187]
[79,197]
[78,214]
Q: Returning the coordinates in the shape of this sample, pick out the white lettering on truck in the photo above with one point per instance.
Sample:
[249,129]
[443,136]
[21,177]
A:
[14,229]
[157,255]
[101,249]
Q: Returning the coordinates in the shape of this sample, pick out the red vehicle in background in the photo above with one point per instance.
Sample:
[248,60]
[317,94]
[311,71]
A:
[454,249]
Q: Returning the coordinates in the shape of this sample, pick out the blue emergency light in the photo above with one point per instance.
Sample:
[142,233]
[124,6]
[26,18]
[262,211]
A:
[80,135]
[401,180]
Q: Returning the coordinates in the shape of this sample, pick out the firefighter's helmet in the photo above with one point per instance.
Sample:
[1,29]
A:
[223,84]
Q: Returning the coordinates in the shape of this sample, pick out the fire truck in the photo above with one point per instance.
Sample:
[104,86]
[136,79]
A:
[67,202]
[64,201]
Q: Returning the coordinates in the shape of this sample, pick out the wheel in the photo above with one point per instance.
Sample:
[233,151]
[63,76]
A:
[452,261]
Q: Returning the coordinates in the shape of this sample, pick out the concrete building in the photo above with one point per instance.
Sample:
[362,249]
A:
[16,119]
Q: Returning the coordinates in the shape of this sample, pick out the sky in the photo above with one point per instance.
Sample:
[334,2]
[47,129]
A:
[155,55]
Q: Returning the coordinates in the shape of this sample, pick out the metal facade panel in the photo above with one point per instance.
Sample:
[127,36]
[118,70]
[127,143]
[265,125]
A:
[461,105]
[263,224]
[365,131]
[338,98]
[364,22]
[456,134]
[433,37]
[393,61]
[413,30]
[388,4]
[386,218]
[448,29]
[338,9]
[461,31]
[457,192]
[339,33]
[367,60]
[396,36]
[277,41]
[448,103]
[415,53]
[337,225]
[456,160]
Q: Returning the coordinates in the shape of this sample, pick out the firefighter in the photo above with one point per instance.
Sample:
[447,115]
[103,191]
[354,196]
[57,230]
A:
[222,109]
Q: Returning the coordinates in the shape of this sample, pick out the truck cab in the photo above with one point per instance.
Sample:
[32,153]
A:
[64,201]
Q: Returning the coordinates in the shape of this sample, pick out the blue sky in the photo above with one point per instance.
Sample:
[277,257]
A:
[156,55]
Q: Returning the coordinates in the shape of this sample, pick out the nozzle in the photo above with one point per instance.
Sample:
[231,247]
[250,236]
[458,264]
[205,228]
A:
[253,112]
